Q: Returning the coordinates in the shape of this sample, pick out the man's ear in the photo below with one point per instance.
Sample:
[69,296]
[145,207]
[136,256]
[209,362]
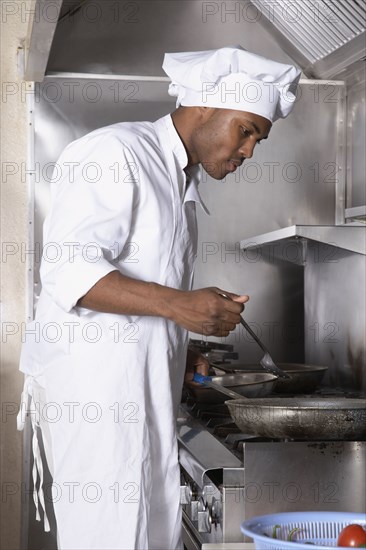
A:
[206,112]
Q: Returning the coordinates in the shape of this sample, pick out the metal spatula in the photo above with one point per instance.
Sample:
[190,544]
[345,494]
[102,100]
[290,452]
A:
[266,362]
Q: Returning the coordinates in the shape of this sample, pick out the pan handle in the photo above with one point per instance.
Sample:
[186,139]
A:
[207,381]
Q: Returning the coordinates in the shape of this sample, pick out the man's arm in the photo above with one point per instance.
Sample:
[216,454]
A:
[201,311]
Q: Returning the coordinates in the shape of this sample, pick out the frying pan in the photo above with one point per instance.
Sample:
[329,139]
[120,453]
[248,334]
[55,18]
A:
[320,419]
[323,419]
[304,378]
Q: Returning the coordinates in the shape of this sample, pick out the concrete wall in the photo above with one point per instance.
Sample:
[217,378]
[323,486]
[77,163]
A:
[14,22]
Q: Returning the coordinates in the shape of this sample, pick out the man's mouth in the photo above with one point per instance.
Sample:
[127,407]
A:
[233,164]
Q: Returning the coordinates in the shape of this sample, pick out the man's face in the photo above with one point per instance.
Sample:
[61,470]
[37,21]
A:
[226,138]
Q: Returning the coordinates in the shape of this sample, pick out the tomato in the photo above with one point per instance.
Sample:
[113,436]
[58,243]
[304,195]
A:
[352,536]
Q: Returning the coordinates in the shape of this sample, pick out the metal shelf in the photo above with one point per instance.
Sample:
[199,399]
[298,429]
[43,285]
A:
[357,213]
[352,238]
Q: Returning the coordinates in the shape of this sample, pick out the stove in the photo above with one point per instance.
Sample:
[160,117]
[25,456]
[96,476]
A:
[228,476]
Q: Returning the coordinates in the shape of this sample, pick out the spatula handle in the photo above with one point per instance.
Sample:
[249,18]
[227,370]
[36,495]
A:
[247,327]
[253,334]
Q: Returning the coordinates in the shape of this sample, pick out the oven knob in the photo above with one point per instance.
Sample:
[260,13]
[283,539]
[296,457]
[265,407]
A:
[194,510]
[185,494]
[216,511]
[207,494]
[204,521]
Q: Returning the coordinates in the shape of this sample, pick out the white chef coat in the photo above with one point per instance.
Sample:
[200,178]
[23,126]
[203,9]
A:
[120,201]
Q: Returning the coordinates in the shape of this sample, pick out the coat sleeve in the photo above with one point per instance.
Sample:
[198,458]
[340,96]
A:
[93,195]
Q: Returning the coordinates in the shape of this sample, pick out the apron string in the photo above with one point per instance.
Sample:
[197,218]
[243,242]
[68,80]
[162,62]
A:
[30,408]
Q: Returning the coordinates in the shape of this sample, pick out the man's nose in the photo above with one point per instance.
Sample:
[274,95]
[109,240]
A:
[247,150]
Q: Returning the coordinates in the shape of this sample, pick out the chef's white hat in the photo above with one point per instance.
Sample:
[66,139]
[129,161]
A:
[232,78]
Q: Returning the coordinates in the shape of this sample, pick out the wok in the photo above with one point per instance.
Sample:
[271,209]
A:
[320,419]
[304,378]
[249,384]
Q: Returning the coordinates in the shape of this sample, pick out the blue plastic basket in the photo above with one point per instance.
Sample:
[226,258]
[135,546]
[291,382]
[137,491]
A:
[319,528]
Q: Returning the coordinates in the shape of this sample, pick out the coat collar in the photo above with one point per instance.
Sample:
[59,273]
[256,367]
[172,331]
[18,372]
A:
[189,177]
[178,148]
[193,173]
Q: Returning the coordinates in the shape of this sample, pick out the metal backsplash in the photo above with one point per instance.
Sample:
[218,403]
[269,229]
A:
[335,314]
[356,137]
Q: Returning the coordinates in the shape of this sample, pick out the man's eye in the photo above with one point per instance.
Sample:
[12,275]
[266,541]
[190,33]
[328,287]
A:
[245,132]
[259,142]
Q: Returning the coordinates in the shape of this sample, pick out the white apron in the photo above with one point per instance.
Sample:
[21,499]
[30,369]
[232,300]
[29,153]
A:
[113,382]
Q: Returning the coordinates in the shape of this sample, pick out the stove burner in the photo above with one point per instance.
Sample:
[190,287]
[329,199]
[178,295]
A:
[217,420]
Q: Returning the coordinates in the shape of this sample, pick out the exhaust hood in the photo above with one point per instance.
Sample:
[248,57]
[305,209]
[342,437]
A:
[323,37]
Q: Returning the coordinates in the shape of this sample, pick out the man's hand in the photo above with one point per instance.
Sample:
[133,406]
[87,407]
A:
[206,311]
[196,362]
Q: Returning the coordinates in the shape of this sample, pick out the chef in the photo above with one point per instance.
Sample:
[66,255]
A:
[105,357]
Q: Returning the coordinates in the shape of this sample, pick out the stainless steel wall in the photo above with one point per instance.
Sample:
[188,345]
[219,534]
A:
[335,314]
[335,280]
[356,118]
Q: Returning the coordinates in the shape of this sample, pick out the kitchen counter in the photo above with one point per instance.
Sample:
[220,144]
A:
[230,546]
